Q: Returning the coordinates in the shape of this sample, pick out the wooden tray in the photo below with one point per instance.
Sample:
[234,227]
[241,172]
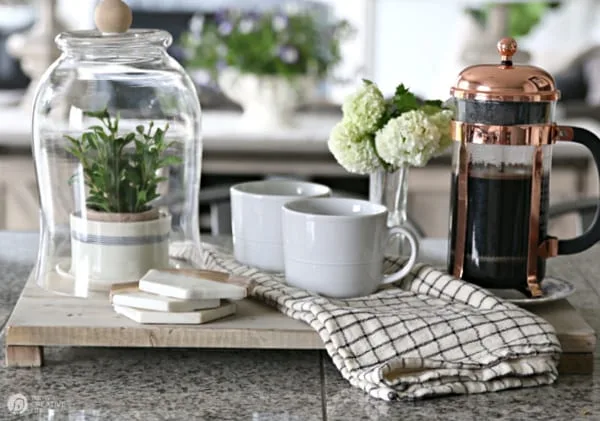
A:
[42,318]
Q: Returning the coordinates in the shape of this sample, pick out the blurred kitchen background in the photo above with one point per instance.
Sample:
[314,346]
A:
[421,43]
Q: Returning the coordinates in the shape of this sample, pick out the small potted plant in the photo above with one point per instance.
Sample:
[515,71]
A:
[118,235]
[269,63]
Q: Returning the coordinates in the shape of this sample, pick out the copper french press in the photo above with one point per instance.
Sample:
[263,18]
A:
[503,134]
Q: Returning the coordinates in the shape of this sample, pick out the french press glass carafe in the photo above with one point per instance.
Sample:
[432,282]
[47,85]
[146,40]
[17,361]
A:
[504,131]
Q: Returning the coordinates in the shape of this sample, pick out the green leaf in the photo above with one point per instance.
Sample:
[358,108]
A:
[434,103]
[96,128]
[158,137]
[141,197]
[404,100]
[76,153]
[89,139]
[72,140]
[95,114]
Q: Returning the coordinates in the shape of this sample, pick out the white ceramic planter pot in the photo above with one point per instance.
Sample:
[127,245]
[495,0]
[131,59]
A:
[267,101]
[107,252]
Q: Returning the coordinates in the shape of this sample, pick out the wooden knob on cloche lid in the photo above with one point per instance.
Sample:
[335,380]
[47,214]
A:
[113,16]
[507,47]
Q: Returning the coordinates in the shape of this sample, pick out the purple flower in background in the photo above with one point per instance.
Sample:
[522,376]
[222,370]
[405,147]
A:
[288,54]
[279,22]
[225,28]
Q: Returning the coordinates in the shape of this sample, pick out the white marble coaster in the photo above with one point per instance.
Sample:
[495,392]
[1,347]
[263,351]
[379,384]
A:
[174,318]
[188,287]
[146,301]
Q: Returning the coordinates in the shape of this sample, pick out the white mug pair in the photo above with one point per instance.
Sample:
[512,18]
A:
[331,246]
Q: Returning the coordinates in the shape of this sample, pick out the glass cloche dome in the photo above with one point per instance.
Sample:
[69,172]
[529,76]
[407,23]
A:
[117,148]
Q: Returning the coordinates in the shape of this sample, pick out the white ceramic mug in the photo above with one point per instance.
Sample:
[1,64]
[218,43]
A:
[335,247]
[256,219]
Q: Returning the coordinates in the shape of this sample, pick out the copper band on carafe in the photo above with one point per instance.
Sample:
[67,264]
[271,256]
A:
[528,135]
[537,171]
[524,135]
[461,210]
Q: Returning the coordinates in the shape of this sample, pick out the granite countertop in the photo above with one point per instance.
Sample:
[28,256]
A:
[155,384]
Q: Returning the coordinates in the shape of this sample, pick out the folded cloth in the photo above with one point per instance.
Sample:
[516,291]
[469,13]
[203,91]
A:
[428,335]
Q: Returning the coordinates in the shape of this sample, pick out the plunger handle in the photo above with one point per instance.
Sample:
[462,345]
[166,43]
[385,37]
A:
[113,17]
[592,235]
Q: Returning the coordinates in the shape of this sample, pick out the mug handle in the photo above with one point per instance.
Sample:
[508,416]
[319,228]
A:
[414,250]
[592,235]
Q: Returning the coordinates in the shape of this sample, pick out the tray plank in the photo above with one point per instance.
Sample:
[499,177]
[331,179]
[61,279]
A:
[41,318]
[45,319]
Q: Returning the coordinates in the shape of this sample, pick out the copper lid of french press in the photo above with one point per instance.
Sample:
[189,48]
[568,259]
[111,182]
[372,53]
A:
[505,81]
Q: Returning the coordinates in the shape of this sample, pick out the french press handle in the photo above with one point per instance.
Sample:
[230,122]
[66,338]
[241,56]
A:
[592,235]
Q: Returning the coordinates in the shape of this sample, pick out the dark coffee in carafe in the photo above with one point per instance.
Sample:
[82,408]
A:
[497,237]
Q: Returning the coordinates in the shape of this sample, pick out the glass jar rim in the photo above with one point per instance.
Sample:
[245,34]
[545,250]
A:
[96,39]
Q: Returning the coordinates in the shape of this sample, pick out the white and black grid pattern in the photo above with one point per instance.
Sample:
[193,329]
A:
[429,335]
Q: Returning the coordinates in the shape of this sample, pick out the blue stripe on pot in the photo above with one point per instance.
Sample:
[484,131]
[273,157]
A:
[118,241]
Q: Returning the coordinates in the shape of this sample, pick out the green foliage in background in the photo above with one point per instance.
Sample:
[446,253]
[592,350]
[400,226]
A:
[121,171]
[522,17]
[271,43]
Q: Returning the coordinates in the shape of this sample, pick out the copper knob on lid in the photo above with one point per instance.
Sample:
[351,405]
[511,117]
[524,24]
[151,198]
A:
[507,47]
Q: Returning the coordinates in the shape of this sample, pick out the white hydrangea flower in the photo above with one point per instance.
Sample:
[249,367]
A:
[355,155]
[442,120]
[365,107]
[411,139]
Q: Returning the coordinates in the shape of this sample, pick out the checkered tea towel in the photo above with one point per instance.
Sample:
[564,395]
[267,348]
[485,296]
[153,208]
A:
[429,335]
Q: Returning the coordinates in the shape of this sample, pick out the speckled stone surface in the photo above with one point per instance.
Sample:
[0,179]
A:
[18,252]
[132,384]
[259,385]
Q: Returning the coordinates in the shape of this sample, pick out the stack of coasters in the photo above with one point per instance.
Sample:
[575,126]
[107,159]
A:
[172,297]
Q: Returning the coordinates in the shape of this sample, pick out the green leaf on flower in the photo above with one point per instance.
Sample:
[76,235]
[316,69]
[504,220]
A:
[434,103]
[404,100]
